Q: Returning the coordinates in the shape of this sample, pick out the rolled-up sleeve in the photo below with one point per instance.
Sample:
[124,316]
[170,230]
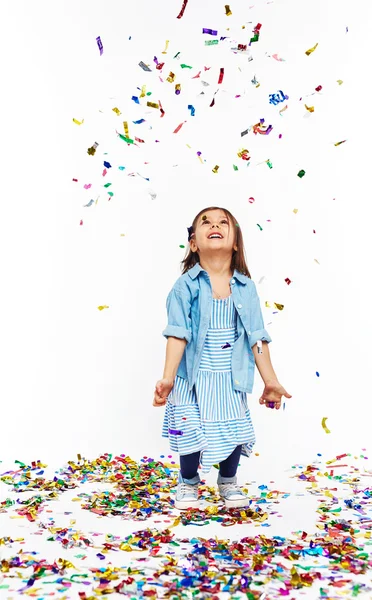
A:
[258,331]
[179,319]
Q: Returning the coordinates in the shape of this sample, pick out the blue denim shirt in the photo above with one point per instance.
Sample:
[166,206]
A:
[189,306]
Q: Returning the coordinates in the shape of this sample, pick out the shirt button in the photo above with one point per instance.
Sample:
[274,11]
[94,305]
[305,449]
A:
[233,281]
[239,305]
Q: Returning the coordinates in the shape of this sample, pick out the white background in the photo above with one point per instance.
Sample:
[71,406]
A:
[77,379]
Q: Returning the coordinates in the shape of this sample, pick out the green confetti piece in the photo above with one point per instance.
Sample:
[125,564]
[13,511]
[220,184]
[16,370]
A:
[301,173]
[211,42]
[128,140]
[107,185]
[235,168]
[183,66]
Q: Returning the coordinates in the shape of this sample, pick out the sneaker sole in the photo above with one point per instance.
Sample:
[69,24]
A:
[184,505]
[236,503]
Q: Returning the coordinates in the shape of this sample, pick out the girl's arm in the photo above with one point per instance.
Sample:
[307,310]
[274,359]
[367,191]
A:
[174,352]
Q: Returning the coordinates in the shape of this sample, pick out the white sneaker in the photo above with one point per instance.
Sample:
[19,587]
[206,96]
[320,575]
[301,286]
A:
[231,493]
[187,493]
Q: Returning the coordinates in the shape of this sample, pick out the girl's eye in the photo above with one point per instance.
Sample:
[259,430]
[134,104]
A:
[223,220]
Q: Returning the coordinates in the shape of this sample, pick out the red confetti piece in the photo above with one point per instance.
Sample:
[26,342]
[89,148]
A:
[179,127]
[222,72]
[182,9]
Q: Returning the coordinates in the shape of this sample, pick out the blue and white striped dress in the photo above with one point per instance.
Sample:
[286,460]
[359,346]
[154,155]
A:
[213,418]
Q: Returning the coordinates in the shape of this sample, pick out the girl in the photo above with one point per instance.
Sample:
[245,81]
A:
[215,336]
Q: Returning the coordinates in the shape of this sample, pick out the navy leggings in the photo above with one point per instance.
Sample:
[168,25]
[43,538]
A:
[190,462]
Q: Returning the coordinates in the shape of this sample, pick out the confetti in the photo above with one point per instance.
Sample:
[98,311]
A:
[277,58]
[211,42]
[210,31]
[215,169]
[301,173]
[92,150]
[144,66]
[324,425]
[182,9]
[100,46]
[166,47]
[222,72]
[256,32]
[192,109]
[179,127]
[308,52]
[339,143]
[227,10]
[78,122]
[276,98]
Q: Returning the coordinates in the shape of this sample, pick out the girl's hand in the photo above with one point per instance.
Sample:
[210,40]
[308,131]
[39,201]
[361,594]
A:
[162,390]
[272,394]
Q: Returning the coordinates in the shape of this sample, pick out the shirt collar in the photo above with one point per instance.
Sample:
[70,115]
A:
[196,270]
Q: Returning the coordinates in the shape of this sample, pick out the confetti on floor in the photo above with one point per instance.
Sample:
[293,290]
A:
[161,560]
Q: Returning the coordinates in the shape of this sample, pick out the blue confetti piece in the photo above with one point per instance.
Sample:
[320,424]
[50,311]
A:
[136,99]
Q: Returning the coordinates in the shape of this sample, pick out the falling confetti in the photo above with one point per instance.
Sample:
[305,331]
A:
[182,9]
[100,46]
[324,425]
[308,52]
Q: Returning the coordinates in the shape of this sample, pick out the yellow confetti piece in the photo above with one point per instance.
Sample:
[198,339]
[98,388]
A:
[117,111]
[152,104]
[228,11]
[143,91]
[171,77]
[339,81]
[309,108]
[102,307]
[215,170]
[126,129]
[166,47]
[78,122]
[308,52]
[324,425]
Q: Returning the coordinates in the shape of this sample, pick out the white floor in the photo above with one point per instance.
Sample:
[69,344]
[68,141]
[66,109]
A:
[295,506]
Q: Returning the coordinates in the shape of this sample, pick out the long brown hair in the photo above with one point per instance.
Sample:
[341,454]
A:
[238,257]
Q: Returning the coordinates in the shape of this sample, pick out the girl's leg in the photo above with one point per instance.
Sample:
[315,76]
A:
[189,465]
[229,466]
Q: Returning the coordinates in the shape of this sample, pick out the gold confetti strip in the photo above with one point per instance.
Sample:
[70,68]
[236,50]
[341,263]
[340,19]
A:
[339,81]
[117,111]
[308,52]
[103,307]
[171,77]
[215,170]
[309,108]
[228,11]
[153,105]
[126,129]
[324,425]
[143,91]
[166,47]
[78,122]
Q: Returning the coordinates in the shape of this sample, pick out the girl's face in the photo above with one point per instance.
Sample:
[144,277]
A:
[213,222]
